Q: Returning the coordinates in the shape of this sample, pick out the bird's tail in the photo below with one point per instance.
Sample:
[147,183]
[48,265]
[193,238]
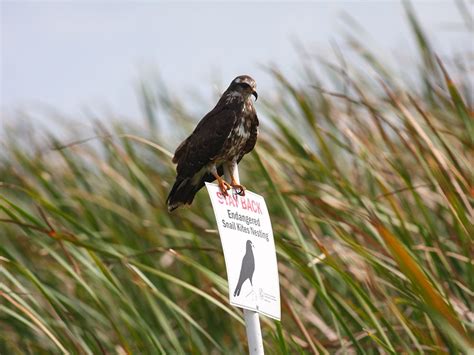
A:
[182,193]
[237,289]
[185,188]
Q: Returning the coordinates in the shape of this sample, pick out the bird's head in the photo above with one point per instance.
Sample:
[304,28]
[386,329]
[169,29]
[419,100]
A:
[245,86]
[249,245]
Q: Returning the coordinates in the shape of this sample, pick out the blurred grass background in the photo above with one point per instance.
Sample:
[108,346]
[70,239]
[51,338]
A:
[369,181]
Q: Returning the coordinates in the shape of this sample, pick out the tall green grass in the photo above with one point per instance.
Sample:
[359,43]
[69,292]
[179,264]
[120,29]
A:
[369,183]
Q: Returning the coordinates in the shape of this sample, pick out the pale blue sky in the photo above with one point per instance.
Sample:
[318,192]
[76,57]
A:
[73,55]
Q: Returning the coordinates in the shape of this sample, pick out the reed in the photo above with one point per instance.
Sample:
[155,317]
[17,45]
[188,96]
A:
[369,184]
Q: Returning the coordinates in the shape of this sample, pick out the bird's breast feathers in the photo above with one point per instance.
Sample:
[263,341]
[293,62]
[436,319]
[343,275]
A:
[239,134]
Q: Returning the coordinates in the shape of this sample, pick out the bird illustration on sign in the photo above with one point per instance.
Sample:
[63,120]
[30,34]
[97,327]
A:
[247,269]
[221,139]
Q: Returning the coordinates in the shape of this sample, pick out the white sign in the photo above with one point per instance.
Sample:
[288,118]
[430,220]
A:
[249,250]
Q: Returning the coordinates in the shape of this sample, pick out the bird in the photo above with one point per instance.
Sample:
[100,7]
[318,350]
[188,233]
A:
[247,269]
[220,140]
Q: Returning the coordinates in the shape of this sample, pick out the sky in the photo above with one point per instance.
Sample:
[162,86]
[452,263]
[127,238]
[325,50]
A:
[80,54]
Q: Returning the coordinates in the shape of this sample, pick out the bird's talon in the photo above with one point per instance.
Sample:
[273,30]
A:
[240,192]
[224,191]
[239,189]
[224,186]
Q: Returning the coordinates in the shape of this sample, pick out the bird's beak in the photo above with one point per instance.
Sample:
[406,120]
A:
[254,93]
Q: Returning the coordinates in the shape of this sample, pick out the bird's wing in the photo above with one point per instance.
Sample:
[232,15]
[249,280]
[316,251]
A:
[205,142]
[243,272]
[247,265]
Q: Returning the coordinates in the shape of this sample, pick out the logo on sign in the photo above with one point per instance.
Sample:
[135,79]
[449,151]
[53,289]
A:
[247,269]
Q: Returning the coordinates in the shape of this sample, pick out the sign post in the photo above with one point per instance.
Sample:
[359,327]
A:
[254,333]
[249,251]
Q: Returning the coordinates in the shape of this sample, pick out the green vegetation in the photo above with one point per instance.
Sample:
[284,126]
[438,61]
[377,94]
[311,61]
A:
[369,186]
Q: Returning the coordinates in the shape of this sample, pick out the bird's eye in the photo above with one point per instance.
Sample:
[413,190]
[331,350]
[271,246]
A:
[244,85]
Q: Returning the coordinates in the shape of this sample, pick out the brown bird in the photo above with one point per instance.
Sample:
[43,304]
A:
[221,138]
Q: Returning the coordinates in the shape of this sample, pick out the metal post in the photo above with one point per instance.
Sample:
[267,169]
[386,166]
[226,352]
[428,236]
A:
[252,321]
[254,333]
